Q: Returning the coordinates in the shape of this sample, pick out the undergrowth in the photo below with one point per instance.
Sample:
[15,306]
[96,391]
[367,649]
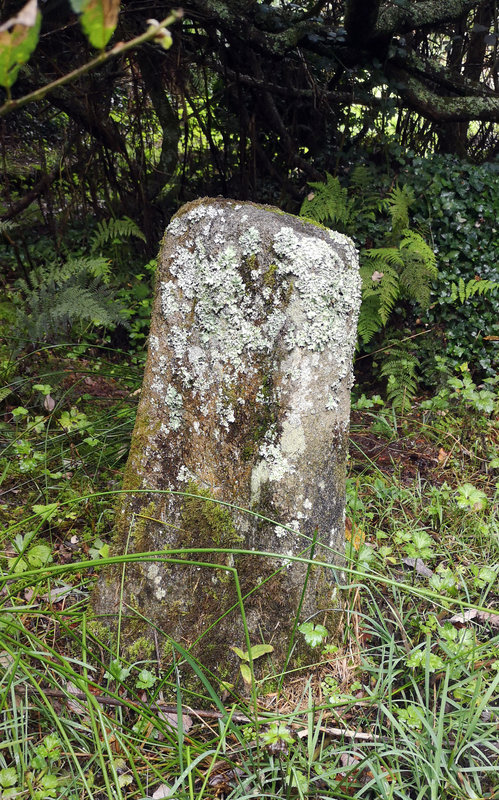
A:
[402,703]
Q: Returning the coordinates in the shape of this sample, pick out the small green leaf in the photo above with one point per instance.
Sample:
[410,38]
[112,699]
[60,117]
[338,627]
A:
[20,411]
[19,565]
[47,511]
[8,776]
[39,555]
[17,45]
[98,20]
[116,671]
[146,679]
[314,634]
[246,673]
[418,659]
[44,388]
[260,650]
[240,653]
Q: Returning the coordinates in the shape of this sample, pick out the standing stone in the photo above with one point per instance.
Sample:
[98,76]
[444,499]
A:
[246,399]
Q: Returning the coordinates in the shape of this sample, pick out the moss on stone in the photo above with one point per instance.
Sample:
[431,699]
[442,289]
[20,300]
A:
[205,522]
[269,277]
[141,649]
[141,543]
[102,632]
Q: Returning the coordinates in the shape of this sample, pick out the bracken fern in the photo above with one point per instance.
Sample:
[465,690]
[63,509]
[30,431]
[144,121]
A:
[463,291]
[400,368]
[56,297]
[114,231]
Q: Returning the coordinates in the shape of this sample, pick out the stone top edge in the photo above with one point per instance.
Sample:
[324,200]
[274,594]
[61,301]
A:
[237,204]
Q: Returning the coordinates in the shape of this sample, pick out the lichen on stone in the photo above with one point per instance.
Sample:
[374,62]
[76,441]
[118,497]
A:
[245,400]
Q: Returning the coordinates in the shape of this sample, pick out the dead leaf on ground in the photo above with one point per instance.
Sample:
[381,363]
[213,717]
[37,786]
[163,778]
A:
[74,705]
[442,456]
[161,791]
[481,616]
[172,720]
[354,534]
[419,565]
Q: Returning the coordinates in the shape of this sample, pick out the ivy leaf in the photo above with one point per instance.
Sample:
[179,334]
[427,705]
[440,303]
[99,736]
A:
[98,20]
[17,45]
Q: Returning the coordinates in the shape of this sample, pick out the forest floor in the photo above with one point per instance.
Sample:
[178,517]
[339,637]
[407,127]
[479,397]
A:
[401,703]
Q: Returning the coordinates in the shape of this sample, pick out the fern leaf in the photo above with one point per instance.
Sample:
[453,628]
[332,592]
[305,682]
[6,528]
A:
[464,291]
[369,319]
[420,267]
[398,203]
[328,203]
[56,297]
[400,369]
[413,243]
[380,278]
[115,231]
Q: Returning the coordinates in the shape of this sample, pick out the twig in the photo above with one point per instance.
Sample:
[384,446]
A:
[107,700]
[119,47]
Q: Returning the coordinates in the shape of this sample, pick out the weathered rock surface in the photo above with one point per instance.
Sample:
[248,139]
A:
[246,399]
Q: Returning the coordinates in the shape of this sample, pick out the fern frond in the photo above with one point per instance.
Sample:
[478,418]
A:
[464,291]
[368,201]
[369,320]
[328,203]
[398,202]
[361,178]
[380,278]
[413,243]
[56,297]
[7,225]
[115,231]
[384,256]
[400,369]
[420,267]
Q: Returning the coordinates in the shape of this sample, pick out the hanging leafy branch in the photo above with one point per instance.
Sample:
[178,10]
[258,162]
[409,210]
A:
[19,38]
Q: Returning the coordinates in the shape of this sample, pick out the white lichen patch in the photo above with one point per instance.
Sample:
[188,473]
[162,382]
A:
[292,439]
[174,403]
[327,292]
[153,574]
[250,242]
[302,295]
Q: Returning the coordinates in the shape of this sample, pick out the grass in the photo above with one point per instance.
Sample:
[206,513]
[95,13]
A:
[402,704]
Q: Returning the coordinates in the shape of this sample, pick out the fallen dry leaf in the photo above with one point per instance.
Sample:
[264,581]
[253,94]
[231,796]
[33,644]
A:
[442,456]
[74,705]
[419,565]
[481,616]
[172,720]
[354,534]
[161,791]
